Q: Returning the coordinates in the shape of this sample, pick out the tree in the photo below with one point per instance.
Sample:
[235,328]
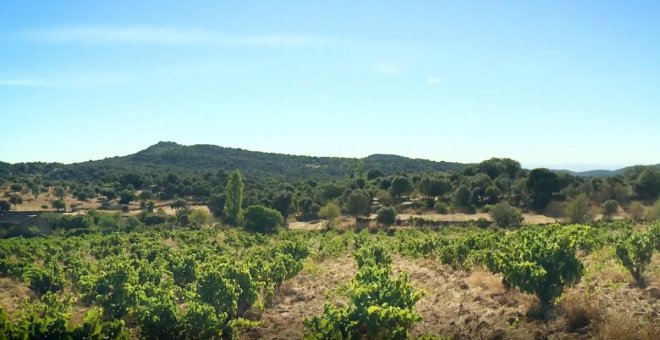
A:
[282,202]
[542,183]
[60,192]
[234,198]
[262,219]
[401,186]
[330,211]
[609,208]
[386,216]
[126,196]
[434,187]
[15,200]
[578,210]
[374,173]
[58,205]
[505,215]
[647,184]
[462,195]
[4,206]
[493,194]
[82,196]
[145,195]
[216,204]
[357,203]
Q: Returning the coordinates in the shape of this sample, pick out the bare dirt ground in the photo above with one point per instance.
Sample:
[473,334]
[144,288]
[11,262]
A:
[302,297]
[13,294]
[475,305]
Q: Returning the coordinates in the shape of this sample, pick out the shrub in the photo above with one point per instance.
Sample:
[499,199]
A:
[262,219]
[609,208]
[505,215]
[386,216]
[537,260]
[634,252]
[47,279]
[577,210]
[653,214]
[441,207]
[636,211]
[380,306]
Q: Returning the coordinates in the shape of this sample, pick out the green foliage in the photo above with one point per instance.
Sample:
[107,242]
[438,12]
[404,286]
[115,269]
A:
[539,260]
[653,213]
[330,211]
[234,199]
[50,278]
[505,215]
[401,186]
[634,252]
[578,210]
[461,196]
[357,203]
[4,206]
[647,184]
[380,306]
[441,207]
[386,216]
[199,217]
[262,219]
[609,208]
[542,183]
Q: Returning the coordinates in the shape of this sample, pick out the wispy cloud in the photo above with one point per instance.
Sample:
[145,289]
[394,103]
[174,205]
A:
[388,68]
[156,35]
[433,80]
[67,81]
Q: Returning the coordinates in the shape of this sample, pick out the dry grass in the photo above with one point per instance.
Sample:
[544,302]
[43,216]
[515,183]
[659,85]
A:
[580,310]
[486,281]
[13,294]
[620,326]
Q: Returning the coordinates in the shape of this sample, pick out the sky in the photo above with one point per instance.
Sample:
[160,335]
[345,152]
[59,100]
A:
[561,84]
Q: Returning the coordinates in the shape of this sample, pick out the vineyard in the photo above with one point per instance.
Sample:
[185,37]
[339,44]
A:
[165,283]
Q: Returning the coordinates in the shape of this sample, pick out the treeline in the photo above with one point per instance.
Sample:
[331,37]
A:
[475,188]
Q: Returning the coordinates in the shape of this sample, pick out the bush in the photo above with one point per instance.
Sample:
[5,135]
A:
[50,278]
[380,306]
[634,253]
[386,216]
[636,211]
[609,208]
[441,207]
[538,260]
[578,210]
[262,219]
[505,215]
[653,214]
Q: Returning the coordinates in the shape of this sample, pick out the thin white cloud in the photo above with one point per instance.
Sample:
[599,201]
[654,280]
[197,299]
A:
[155,35]
[68,81]
[433,80]
[388,68]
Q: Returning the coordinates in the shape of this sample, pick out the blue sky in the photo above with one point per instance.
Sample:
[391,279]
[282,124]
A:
[573,84]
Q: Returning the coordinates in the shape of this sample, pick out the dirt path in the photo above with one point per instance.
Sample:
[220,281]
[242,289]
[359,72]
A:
[302,297]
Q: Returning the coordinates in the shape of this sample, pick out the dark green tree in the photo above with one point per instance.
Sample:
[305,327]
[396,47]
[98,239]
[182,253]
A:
[357,203]
[262,219]
[234,198]
[542,183]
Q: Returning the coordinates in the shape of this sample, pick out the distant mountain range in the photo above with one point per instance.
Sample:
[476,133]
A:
[170,156]
[601,173]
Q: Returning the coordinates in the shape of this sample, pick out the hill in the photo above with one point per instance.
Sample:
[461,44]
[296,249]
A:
[172,157]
